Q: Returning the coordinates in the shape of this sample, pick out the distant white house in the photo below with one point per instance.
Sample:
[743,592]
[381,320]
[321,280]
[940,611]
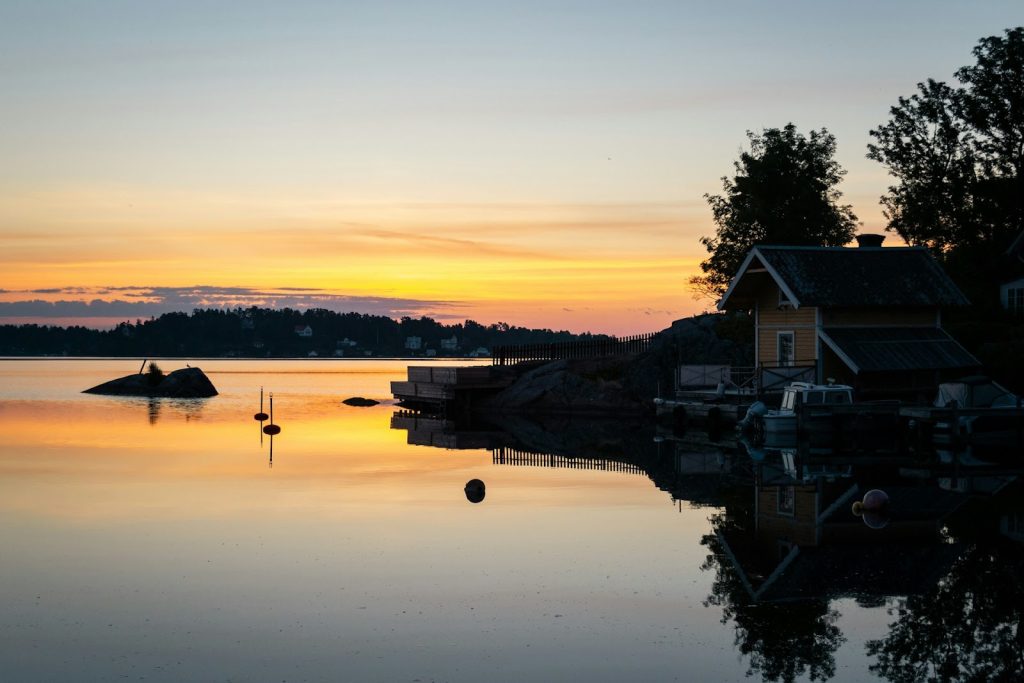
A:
[479,352]
[346,343]
[450,344]
[414,343]
[304,330]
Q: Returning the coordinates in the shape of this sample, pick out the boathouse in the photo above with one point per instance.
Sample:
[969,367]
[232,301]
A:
[868,316]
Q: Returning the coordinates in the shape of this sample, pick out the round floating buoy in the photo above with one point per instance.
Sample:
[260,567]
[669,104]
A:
[261,416]
[475,490]
[873,508]
[875,520]
[875,499]
[272,428]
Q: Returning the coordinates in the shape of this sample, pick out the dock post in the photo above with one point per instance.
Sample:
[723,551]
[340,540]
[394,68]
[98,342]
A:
[803,438]
[1020,426]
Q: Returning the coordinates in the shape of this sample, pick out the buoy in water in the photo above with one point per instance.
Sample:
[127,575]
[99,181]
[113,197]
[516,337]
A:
[475,491]
[272,428]
[873,508]
[261,416]
[875,499]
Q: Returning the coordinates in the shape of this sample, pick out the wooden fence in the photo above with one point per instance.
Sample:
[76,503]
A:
[588,348]
[512,456]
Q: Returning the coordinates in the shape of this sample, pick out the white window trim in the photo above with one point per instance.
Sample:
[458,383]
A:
[778,501]
[778,361]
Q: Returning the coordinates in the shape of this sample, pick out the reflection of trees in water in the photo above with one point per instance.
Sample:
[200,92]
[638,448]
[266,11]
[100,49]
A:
[969,627]
[783,641]
[188,408]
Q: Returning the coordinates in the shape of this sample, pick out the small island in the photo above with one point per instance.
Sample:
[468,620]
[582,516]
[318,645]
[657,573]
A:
[187,382]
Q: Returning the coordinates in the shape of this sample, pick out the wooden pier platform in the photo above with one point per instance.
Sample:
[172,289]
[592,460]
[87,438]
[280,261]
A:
[435,386]
[430,430]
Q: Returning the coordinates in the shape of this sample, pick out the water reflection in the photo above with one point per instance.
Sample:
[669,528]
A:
[967,627]
[187,408]
[940,547]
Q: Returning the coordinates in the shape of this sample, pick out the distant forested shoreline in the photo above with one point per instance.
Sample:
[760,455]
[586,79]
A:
[271,333]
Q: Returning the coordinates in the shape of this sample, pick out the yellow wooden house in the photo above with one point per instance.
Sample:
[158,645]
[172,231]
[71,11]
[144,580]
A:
[868,316]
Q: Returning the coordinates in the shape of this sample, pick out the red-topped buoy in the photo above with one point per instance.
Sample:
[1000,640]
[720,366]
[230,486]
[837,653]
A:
[272,428]
[261,416]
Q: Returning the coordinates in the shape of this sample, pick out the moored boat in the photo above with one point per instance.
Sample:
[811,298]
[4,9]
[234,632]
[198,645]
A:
[814,402]
[813,398]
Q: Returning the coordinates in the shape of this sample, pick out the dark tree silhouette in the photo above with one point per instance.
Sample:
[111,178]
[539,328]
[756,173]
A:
[957,155]
[782,641]
[970,627]
[264,333]
[784,192]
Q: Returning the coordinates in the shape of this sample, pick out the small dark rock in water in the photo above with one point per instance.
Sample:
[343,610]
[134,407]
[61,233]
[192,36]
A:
[184,383]
[360,402]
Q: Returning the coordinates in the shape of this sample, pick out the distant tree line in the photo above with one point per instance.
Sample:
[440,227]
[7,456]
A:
[269,333]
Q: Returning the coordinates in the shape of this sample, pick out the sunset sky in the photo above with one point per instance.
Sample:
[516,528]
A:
[539,163]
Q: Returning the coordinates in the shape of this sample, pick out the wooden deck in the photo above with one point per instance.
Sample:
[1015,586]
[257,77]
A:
[439,385]
[438,432]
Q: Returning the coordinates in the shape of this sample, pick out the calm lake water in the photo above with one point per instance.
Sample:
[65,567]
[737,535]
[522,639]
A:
[157,540]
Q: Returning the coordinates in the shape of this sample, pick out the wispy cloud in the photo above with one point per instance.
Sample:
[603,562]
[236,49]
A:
[146,301]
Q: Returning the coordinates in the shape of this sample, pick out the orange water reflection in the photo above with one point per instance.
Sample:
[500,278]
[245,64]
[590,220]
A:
[87,457]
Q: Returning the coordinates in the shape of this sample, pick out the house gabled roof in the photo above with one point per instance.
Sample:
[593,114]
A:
[847,277]
[1016,248]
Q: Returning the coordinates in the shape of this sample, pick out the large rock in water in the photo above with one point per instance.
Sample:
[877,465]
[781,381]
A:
[578,386]
[184,383]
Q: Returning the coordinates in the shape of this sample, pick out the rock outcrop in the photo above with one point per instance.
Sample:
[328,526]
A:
[591,386]
[360,402]
[627,384]
[184,383]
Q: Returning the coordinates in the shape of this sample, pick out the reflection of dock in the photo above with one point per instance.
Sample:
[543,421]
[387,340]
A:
[514,456]
[426,430]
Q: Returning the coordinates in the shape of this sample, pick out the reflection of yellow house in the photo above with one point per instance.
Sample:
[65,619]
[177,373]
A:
[867,316]
[806,542]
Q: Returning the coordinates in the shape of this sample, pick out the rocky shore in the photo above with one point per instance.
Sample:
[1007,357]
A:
[626,385]
[183,383]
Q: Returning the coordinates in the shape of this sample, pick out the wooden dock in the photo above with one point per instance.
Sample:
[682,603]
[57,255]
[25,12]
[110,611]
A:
[438,432]
[436,387]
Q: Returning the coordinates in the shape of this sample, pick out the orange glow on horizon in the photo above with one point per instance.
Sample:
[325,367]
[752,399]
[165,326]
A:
[586,267]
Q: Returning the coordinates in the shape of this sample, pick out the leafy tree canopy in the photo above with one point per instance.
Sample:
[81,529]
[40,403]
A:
[956,153]
[784,192]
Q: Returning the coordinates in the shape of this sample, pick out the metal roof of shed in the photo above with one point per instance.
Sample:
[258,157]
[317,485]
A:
[882,349]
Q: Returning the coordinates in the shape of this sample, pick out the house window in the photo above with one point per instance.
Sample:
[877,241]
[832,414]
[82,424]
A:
[784,301]
[1015,300]
[787,500]
[786,355]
